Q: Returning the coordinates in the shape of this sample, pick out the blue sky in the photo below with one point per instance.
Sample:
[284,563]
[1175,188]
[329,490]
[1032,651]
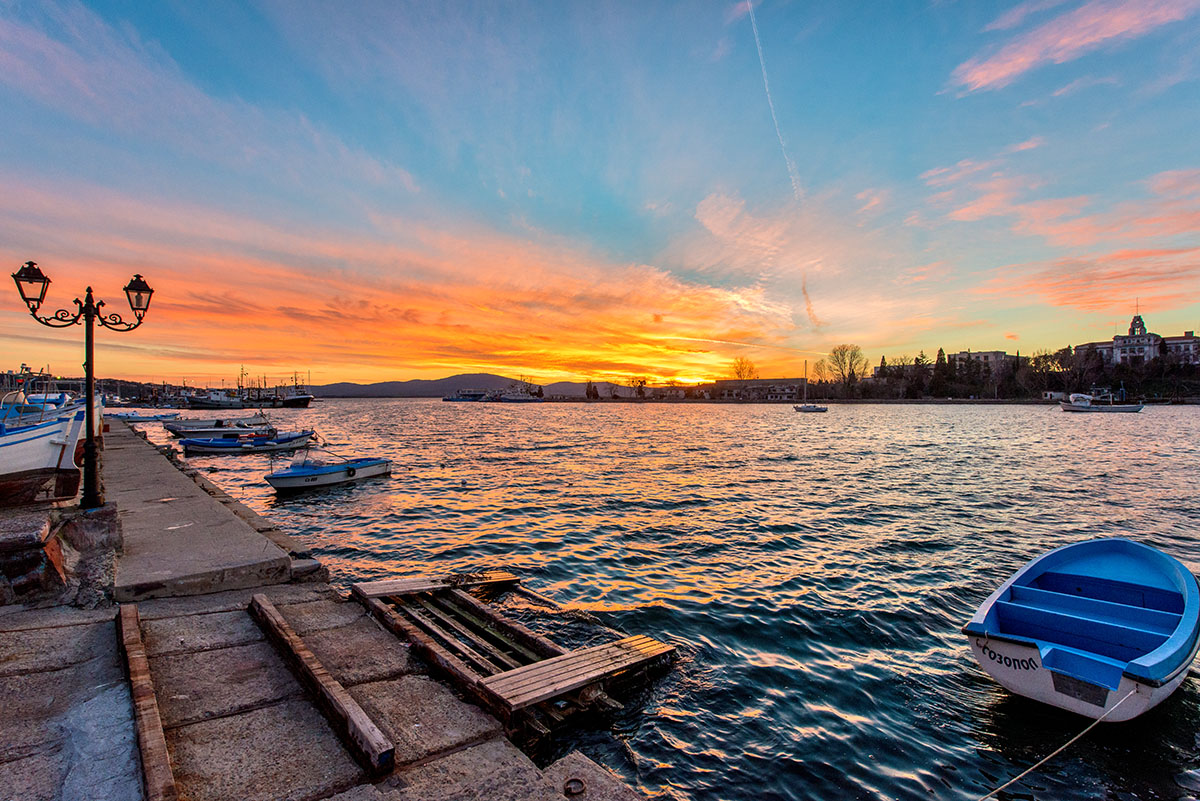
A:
[394,190]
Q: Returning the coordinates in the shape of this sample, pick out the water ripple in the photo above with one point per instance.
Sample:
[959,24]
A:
[812,573]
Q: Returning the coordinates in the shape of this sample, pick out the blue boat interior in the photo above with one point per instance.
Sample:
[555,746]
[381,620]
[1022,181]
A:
[1092,615]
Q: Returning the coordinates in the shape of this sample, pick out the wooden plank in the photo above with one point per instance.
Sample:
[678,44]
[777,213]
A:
[366,741]
[544,680]
[379,589]
[520,635]
[480,661]
[157,775]
[604,658]
[475,639]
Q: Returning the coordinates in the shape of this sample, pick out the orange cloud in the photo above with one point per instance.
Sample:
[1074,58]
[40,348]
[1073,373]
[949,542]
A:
[364,306]
[1161,278]
[1068,37]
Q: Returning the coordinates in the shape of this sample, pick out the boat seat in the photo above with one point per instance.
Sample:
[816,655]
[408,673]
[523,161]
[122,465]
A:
[1093,609]
[1092,668]
[1111,590]
[1117,640]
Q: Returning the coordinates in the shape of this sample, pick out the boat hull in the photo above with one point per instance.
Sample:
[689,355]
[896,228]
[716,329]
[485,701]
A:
[33,456]
[298,480]
[1018,668]
[1099,627]
[1120,408]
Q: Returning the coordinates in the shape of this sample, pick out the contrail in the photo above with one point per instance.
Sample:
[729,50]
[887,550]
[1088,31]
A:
[791,166]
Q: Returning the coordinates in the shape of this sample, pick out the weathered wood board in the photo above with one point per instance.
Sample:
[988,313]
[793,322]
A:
[156,760]
[365,739]
[379,589]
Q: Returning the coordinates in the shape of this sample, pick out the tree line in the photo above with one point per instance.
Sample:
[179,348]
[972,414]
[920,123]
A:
[845,373]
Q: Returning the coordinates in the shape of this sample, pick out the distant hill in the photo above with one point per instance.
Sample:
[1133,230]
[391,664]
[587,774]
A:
[437,388]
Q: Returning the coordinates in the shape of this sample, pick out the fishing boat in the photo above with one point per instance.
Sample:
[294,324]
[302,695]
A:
[806,406]
[31,456]
[1090,626]
[1083,402]
[249,443]
[138,417]
[306,473]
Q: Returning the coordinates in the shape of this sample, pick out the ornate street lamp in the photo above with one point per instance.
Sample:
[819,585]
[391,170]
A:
[32,285]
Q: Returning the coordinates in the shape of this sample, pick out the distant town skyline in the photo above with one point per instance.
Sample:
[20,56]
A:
[573,191]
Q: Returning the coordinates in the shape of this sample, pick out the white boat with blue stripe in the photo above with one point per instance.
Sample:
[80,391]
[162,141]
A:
[1105,628]
[305,473]
[266,443]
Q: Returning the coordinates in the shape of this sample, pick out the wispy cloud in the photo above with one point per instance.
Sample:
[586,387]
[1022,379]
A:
[1069,36]
[793,173]
[106,77]
[1162,279]
[1017,15]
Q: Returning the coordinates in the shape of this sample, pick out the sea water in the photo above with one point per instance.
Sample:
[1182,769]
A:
[813,571]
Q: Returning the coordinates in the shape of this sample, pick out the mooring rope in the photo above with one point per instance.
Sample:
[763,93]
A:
[1060,749]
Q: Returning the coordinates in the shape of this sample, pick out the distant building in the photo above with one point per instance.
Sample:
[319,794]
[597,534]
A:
[761,389]
[1140,345]
[991,359]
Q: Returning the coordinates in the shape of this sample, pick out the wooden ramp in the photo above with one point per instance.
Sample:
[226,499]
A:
[525,679]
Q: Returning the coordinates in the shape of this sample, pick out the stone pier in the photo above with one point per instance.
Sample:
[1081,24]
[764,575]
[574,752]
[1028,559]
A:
[238,724]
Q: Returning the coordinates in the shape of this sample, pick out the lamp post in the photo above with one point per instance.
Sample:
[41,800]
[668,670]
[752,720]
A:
[32,285]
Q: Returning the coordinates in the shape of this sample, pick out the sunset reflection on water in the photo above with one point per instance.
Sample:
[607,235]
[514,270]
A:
[814,573]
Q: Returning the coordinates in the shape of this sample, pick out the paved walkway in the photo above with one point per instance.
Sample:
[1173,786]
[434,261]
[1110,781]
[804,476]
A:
[178,540]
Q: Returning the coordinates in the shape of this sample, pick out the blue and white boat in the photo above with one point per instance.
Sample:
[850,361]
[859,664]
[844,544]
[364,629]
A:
[305,473]
[1092,625]
[31,456]
[248,443]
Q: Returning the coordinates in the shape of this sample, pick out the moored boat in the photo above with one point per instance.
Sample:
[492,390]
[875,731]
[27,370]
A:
[806,406]
[1090,626]
[305,473]
[266,443]
[31,456]
[1083,402]
[190,426]
[138,417]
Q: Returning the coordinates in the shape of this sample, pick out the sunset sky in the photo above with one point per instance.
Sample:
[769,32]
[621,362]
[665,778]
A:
[571,190]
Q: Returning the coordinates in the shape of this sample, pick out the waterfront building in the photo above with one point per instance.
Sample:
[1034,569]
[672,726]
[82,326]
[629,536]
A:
[1141,345]
[993,360]
[758,389]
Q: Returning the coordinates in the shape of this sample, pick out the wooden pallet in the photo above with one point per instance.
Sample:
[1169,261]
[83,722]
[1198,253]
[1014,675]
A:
[541,681]
[475,648]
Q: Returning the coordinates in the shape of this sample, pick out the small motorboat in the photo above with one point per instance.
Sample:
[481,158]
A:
[305,473]
[138,417]
[1083,402]
[188,427]
[248,443]
[217,432]
[1091,626]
